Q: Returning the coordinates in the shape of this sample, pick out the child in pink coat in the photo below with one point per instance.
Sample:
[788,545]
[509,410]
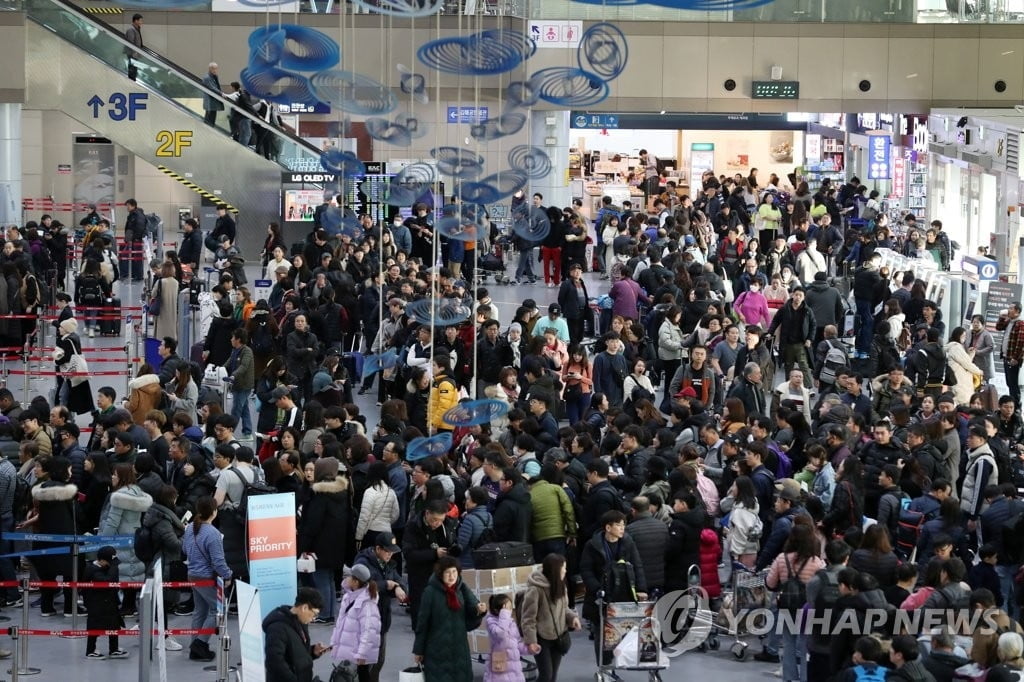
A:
[356,636]
[507,647]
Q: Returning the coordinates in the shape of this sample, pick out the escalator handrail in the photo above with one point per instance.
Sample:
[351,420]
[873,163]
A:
[182,72]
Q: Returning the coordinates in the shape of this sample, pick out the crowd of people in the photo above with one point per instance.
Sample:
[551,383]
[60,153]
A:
[702,410]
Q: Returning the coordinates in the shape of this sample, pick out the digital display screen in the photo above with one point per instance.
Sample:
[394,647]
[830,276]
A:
[776,90]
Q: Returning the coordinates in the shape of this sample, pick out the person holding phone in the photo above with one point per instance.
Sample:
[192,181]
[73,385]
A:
[204,549]
[289,653]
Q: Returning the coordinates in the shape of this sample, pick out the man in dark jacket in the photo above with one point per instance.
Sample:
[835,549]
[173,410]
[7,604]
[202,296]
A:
[427,538]
[683,548]
[493,353]
[884,449]
[170,360]
[573,298]
[927,365]
[787,506]
[601,498]
[191,250]
[798,329]
[289,654]
[651,536]
[631,461]
[513,512]
[942,661]
[867,286]
[609,546]
[134,231]
[384,572]
[827,304]
[749,391]
[225,226]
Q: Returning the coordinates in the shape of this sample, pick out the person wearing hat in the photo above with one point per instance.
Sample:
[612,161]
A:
[101,603]
[327,510]
[379,561]
[788,498]
[357,635]
[573,300]
[225,226]
[32,430]
[553,320]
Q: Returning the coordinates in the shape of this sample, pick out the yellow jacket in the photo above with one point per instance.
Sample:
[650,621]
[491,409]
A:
[444,395]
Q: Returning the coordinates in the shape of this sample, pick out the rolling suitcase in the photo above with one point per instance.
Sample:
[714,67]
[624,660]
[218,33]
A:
[110,322]
[503,555]
[195,353]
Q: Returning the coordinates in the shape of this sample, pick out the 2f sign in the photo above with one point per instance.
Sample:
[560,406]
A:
[169,143]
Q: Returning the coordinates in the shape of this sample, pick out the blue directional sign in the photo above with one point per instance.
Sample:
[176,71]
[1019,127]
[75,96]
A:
[583,120]
[468,114]
[121,106]
[985,269]
[879,167]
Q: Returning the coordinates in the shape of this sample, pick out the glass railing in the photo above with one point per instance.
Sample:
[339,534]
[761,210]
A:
[165,79]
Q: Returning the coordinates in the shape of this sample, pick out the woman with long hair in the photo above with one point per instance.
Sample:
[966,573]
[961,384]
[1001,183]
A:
[595,417]
[546,618]
[745,525]
[166,290]
[195,483]
[204,549]
[875,556]
[417,398]
[274,241]
[799,559]
[244,304]
[579,383]
[97,466]
[123,516]
[961,361]
[183,392]
[734,416]
[327,511]
[300,274]
[848,499]
[54,512]
[379,508]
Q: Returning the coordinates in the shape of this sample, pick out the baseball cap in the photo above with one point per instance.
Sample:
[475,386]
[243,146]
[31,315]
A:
[107,553]
[687,392]
[225,237]
[733,439]
[689,240]
[555,309]
[397,301]
[386,541]
[360,572]
[788,489]
[278,393]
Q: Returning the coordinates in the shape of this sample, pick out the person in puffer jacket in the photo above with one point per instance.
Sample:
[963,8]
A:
[356,636]
[507,646]
[710,553]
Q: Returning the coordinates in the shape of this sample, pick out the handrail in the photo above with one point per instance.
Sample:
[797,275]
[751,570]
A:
[118,37]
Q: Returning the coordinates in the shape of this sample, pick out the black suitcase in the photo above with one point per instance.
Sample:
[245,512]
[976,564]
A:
[503,555]
[110,320]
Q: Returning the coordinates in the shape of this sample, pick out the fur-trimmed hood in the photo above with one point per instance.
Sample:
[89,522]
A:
[45,492]
[338,485]
[141,382]
[131,498]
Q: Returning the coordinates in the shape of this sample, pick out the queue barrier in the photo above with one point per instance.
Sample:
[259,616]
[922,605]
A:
[115,633]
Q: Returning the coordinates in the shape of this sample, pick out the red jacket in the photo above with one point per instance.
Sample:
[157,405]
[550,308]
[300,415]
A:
[710,553]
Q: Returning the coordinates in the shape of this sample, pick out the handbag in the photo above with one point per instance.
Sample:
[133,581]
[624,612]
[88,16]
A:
[344,672]
[563,642]
[413,674]
[156,302]
[499,662]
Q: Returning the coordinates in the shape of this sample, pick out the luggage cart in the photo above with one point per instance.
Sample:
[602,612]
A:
[615,621]
[749,592]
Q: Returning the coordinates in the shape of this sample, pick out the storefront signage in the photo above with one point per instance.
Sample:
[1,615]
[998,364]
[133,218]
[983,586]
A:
[985,269]
[304,108]
[467,114]
[899,177]
[879,147]
[592,121]
[319,178]
[812,148]
[867,121]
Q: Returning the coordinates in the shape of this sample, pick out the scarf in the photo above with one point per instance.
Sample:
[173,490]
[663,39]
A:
[451,597]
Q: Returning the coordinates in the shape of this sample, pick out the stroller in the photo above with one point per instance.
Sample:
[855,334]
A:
[493,263]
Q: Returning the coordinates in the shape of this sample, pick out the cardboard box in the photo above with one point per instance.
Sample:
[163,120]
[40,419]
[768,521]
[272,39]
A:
[486,582]
[479,642]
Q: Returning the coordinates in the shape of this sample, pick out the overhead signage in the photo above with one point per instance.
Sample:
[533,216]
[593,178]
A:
[985,269]
[554,34]
[775,90]
[899,177]
[318,178]
[122,105]
[303,108]
[467,114]
[170,143]
[879,148]
[584,121]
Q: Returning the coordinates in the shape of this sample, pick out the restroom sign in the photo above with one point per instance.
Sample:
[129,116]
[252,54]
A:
[556,33]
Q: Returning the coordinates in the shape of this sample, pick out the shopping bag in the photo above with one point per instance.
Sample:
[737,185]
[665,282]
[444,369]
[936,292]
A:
[414,674]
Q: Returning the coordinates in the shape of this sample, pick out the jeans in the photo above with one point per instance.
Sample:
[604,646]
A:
[1013,381]
[551,260]
[525,267]
[794,656]
[551,546]
[205,613]
[241,410]
[1006,573]
[548,660]
[575,409]
[244,131]
[323,578]
[866,330]
[773,640]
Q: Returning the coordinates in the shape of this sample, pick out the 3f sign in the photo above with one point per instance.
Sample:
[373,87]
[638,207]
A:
[171,142]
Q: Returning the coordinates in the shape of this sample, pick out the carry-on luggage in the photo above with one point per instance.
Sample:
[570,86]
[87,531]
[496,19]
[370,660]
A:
[503,555]
[110,318]
[195,353]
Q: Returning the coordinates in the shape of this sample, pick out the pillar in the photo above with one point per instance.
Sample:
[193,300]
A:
[10,164]
[554,186]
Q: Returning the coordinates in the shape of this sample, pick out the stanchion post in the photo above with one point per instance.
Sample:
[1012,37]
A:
[74,583]
[223,653]
[22,666]
[15,659]
[27,354]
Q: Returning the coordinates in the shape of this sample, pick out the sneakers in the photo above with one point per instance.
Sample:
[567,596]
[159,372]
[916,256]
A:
[200,651]
[184,609]
[118,653]
[47,614]
[81,612]
[172,644]
[95,656]
[129,612]
[323,621]
[766,657]
[92,332]
[15,603]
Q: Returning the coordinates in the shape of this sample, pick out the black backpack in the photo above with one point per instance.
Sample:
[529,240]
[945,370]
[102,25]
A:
[90,291]
[145,544]
[828,595]
[487,536]
[620,582]
[262,340]
[1013,535]
[22,497]
[793,592]
[257,487]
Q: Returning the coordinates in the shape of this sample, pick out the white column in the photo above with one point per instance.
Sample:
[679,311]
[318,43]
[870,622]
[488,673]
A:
[554,186]
[10,164]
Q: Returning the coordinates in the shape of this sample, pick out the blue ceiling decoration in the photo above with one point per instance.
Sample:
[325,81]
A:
[345,164]
[443,312]
[493,188]
[277,85]
[521,94]
[487,53]
[569,87]
[509,123]
[292,47]
[696,5]
[409,184]
[375,362]
[390,132]
[353,92]
[434,446]
[474,412]
[458,163]
[533,161]
[532,224]
[603,51]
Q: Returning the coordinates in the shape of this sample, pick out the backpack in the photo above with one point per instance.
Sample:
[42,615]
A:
[22,497]
[90,291]
[620,582]
[257,487]
[487,536]
[793,592]
[620,503]
[145,544]
[908,532]
[262,341]
[1004,467]
[828,595]
[862,674]
[961,602]
[836,359]
[1013,535]
[153,225]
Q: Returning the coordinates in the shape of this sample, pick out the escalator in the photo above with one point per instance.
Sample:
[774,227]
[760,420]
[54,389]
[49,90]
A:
[79,65]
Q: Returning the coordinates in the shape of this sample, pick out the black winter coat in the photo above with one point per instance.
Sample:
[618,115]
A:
[513,515]
[324,524]
[102,604]
[289,654]
[420,556]
[651,536]
[683,548]
[167,531]
[594,561]
[218,340]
